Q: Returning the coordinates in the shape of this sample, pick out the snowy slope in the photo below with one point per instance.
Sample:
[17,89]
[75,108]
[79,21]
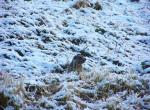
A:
[38,37]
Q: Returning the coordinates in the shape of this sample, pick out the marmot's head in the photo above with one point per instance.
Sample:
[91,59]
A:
[79,58]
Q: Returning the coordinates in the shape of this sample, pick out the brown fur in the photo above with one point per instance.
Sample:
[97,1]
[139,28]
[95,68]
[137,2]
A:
[82,3]
[76,64]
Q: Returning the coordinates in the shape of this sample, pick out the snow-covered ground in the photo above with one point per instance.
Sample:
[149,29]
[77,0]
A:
[39,37]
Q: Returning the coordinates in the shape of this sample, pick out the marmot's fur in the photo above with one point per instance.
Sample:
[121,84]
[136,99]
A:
[76,64]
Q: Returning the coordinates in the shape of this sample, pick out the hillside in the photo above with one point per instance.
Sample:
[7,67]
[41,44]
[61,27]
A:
[39,37]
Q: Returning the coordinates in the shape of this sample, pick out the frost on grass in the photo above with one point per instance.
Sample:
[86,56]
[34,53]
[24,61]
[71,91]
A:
[38,37]
[96,90]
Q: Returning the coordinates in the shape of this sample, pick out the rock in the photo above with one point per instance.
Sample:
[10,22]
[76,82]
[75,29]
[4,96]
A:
[100,30]
[147,70]
[134,0]
[40,46]
[6,56]
[38,32]
[10,43]
[58,69]
[77,41]
[27,0]
[145,64]
[145,41]
[1,38]
[82,4]
[69,32]
[40,22]
[117,62]
[142,33]
[20,53]
[85,53]
[46,39]
[126,38]
[97,6]
[65,24]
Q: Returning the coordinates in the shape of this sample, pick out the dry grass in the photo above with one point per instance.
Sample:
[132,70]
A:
[93,86]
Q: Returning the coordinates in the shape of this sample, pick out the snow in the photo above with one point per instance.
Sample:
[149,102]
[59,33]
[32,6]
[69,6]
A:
[39,37]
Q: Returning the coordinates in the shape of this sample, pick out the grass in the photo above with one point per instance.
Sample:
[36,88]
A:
[110,89]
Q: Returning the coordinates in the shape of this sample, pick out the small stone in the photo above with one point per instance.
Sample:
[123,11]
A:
[97,6]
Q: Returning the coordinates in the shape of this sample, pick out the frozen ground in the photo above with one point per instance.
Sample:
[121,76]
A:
[38,37]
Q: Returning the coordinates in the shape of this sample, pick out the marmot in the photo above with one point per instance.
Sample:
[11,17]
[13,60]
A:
[76,64]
